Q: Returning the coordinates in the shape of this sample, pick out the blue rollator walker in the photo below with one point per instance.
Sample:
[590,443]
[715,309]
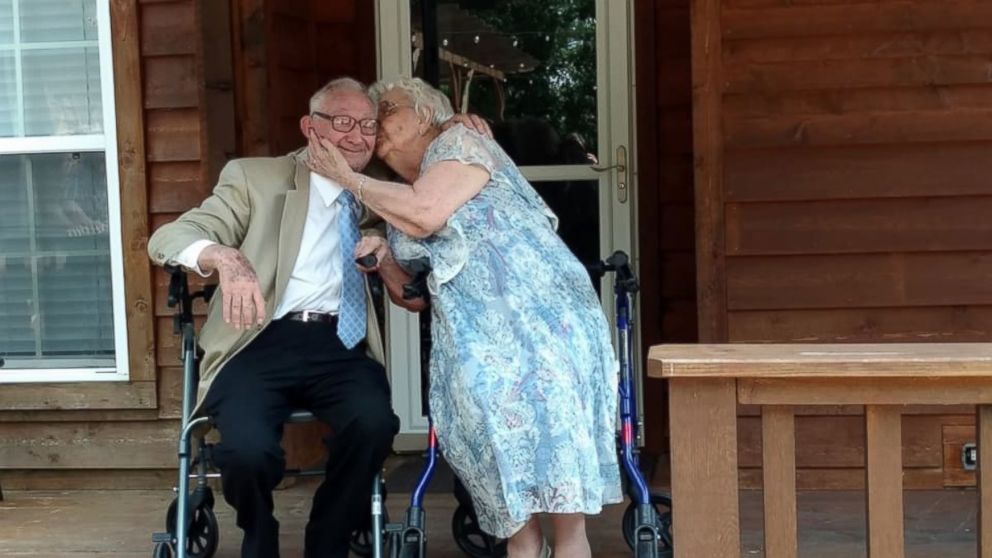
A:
[191,516]
[647,520]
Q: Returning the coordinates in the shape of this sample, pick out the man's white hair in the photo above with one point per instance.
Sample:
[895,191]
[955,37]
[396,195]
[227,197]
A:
[335,85]
[425,98]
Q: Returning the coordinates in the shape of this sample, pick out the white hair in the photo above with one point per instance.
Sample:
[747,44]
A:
[426,99]
[335,85]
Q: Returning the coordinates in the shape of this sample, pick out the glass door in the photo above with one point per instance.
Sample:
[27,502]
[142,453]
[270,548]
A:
[554,79]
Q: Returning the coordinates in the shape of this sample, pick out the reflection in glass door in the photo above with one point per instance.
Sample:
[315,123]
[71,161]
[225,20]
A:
[529,66]
[553,79]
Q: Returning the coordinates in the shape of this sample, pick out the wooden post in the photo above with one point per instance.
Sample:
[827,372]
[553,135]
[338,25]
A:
[984,423]
[883,447]
[778,468]
[708,152]
[704,467]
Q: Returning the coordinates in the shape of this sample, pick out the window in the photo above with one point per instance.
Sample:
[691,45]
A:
[61,272]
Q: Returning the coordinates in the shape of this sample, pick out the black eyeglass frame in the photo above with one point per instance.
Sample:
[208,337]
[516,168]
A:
[343,121]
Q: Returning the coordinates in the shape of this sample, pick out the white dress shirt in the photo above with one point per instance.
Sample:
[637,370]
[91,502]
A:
[315,283]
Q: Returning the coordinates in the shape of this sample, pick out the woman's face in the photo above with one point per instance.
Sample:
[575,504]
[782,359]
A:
[399,124]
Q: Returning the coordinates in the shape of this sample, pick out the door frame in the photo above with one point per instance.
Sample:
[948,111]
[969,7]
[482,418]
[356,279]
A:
[617,127]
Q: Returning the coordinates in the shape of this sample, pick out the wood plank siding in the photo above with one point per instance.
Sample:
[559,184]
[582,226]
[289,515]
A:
[184,108]
[290,48]
[848,194]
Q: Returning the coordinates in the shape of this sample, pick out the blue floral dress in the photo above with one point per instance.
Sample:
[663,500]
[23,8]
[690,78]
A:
[523,376]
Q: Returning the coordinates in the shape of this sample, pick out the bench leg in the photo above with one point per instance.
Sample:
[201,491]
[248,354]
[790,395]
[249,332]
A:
[984,423]
[883,428]
[704,467]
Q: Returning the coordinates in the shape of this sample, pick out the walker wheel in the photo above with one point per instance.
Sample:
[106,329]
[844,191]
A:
[361,539]
[361,542]
[472,539]
[410,550]
[648,549]
[662,503]
[162,550]
[203,533]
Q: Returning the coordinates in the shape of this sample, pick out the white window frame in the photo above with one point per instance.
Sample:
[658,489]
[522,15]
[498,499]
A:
[107,143]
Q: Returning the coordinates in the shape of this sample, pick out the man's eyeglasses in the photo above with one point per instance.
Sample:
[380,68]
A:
[344,123]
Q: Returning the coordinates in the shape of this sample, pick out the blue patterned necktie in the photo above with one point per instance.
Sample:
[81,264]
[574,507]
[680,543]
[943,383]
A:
[352,311]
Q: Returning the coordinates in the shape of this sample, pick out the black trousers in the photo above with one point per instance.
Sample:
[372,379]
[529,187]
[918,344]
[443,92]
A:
[296,365]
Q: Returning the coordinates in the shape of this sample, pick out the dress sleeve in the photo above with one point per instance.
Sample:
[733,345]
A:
[447,251]
[462,145]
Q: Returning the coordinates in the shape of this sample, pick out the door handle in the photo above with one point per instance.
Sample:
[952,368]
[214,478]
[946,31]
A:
[621,168]
[621,174]
[617,166]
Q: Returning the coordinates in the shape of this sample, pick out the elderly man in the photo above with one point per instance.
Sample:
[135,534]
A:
[291,326]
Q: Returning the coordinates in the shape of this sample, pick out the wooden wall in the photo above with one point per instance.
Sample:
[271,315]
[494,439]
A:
[183,89]
[290,48]
[843,151]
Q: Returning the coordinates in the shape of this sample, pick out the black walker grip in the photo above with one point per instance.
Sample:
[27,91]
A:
[619,263]
[375,282]
[368,260]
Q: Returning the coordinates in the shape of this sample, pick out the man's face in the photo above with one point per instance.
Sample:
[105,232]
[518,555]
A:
[336,112]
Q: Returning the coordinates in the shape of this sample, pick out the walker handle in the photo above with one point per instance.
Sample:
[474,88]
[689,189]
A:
[375,282]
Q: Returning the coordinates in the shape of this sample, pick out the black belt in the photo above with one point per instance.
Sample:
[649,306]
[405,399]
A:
[311,316]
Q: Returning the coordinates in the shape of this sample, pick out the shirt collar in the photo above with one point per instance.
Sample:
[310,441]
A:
[327,188]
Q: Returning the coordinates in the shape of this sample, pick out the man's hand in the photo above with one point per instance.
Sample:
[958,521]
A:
[243,305]
[375,245]
[473,122]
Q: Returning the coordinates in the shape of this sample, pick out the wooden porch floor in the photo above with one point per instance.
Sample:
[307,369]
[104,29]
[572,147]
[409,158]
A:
[119,523]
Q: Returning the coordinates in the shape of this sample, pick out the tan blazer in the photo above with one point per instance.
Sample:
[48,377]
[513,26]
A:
[259,205]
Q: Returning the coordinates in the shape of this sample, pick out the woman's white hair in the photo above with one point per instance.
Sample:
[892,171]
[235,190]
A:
[427,100]
[335,85]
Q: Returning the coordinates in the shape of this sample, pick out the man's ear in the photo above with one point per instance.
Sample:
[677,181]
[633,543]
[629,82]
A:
[305,124]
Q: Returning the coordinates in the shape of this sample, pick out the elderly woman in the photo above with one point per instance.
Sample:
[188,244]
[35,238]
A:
[523,373]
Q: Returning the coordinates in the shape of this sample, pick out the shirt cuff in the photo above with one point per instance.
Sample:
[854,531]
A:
[190,256]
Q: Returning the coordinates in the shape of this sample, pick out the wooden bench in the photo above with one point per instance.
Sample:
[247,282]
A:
[706,383]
